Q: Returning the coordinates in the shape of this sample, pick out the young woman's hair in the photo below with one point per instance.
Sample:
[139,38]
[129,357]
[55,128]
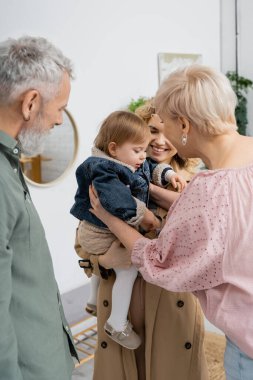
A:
[146,111]
[30,63]
[202,95]
[121,127]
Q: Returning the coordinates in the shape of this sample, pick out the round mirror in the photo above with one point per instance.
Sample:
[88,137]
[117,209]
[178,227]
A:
[58,155]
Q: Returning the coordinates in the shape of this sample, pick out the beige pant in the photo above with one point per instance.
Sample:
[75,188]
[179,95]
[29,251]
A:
[93,239]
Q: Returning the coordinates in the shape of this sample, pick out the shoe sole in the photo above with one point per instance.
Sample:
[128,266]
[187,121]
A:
[91,311]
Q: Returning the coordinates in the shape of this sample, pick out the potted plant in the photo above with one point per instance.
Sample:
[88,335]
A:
[241,86]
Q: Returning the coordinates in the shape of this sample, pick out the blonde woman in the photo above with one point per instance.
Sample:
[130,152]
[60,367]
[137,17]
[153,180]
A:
[206,244]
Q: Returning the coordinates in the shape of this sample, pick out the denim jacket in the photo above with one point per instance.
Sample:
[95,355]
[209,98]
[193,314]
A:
[122,191]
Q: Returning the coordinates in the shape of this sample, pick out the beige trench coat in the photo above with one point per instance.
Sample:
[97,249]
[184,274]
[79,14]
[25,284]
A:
[173,331]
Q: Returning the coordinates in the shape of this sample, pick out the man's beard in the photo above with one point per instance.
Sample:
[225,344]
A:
[32,139]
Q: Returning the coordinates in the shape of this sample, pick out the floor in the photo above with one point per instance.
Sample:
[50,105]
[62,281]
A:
[84,372]
[73,303]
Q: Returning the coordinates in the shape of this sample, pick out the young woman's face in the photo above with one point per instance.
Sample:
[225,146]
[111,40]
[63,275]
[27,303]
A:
[160,148]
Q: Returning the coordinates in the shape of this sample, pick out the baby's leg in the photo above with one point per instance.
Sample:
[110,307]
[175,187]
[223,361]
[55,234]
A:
[91,306]
[94,284]
[121,296]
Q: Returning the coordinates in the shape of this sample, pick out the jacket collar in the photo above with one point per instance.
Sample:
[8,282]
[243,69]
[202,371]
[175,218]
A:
[99,153]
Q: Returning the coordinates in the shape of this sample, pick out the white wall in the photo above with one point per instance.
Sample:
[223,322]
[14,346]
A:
[245,47]
[114,46]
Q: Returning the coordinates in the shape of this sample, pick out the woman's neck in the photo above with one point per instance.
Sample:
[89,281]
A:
[225,151]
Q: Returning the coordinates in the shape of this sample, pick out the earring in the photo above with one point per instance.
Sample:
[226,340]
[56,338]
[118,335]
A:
[26,118]
[184,139]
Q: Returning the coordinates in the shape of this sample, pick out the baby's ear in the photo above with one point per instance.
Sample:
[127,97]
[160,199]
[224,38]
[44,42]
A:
[112,148]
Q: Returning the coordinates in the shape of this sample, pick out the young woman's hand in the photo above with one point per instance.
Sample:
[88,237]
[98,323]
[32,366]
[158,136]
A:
[150,222]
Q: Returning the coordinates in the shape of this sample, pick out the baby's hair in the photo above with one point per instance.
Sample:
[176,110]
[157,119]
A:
[121,127]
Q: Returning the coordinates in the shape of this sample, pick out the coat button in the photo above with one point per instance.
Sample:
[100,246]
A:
[105,303]
[188,345]
[103,344]
[180,303]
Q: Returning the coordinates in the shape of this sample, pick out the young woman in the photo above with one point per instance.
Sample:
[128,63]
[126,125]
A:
[119,170]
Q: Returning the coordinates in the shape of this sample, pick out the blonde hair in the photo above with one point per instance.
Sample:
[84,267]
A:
[146,111]
[202,95]
[120,127]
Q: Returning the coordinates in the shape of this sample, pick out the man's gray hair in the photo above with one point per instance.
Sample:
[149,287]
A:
[30,63]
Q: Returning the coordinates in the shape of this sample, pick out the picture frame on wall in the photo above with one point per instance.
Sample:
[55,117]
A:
[168,62]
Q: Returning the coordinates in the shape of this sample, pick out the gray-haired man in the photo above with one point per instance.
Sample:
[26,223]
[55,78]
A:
[35,340]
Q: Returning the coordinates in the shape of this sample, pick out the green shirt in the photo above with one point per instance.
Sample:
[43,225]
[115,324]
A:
[35,340]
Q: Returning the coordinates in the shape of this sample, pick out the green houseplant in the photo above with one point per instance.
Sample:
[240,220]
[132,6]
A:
[241,86]
[135,103]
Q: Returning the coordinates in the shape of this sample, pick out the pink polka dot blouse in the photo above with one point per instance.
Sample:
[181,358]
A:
[206,247]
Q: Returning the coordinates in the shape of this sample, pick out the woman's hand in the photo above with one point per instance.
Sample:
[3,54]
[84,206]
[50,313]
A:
[150,222]
[97,208]
[125,233]
[117,256]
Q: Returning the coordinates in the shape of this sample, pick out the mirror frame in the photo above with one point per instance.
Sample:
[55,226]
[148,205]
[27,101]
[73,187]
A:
[66,171]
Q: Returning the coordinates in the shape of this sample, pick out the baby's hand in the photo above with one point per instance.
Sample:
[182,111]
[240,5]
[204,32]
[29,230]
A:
[177,182]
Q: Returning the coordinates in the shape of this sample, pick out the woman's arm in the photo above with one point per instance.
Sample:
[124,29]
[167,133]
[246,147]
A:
[150,222]
[125,233]
[113,193]
[162,197]
[188,253]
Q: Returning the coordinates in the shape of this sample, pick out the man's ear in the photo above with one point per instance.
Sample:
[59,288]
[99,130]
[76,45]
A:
[30,104]
[112,147]
[184,125]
